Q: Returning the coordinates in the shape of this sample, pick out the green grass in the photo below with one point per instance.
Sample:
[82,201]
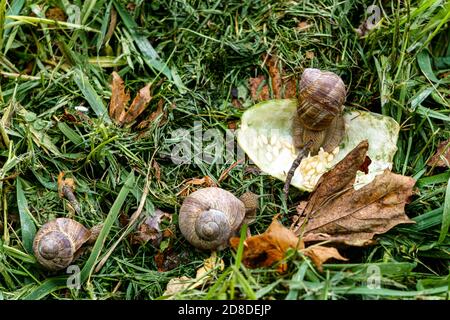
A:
[196,53]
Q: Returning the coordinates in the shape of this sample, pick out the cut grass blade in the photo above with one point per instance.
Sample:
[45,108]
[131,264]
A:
[90,95]
[26,221]
[445,215]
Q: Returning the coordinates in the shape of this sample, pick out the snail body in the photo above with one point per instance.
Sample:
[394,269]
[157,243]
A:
[58,241]
[209,217]
[319,111]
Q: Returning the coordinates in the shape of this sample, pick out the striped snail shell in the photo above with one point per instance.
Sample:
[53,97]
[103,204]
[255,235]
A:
[209,217]
[57,242]
[321,98]
[319,110]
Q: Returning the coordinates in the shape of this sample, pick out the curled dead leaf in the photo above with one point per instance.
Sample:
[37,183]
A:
[337,212]
[150,229]
[442,156]
[203,275]
[266,249]
[118,106]
[320,254]
[258,89]
[204,182]
[270,247]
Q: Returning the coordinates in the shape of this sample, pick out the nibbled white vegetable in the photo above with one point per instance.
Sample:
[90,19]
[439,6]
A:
[265,134]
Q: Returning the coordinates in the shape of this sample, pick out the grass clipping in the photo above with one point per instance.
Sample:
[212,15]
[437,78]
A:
[337,213]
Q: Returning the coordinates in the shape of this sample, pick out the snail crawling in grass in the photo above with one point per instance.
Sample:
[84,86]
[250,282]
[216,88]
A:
[318,122]
[58,242]
[209,217]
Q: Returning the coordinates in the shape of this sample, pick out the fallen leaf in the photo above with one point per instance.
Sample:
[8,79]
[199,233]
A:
[169,259]
[320,254]
[119,99]
[266,249]
[303,25]
[154,116]
[203,275]
[290,88]
[66,189]
[309,55]
[258,90]
[204,182]
[157,169]
[442,156]
[118,106]
[177,285]
[209,264]
[55,13]
[274,72]
[150,229]
[140,102]
[338,213]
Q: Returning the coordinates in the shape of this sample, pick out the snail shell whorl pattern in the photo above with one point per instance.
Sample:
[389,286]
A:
[321,98]
[209,217]
[57,241]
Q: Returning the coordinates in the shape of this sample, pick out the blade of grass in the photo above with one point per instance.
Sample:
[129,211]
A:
[26,221]
[90,95]
[445,215]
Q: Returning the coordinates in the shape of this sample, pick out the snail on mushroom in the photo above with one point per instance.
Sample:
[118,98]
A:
[57,243]
[209,217]
[318,122]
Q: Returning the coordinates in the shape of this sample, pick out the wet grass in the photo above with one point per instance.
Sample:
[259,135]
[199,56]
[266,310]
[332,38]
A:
[197,55]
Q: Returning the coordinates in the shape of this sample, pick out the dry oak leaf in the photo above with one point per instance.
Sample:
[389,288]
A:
[118,106]
[442,156]
[337,212]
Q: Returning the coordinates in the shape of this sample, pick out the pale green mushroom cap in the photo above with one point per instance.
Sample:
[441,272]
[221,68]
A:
[265,134]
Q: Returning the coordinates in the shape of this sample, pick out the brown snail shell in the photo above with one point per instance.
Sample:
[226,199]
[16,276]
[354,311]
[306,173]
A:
[319,110]
[56,243]
[209,217]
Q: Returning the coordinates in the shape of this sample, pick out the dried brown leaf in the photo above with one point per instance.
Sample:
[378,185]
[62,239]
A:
[138,105]
[268,248]
[150,229]
[309,55]
[154,116]
[303,25]
[339,213]
[55,13]
[169,259]
[258,91]
[442,156]
[290,88]
[320,254]
[119,99]
[274,72]
[204,182]
[157,168]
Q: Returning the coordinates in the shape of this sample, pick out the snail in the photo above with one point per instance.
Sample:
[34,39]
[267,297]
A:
[58,243]
[318,122]
[209,217]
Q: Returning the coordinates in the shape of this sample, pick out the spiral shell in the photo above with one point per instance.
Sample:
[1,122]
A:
[209,217]
[321,98]
[56,243]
